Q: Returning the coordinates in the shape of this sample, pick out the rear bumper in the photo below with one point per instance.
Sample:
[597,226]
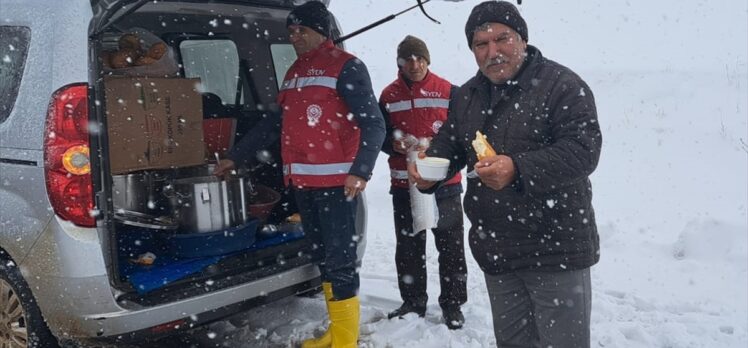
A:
[68,278]
[137,325]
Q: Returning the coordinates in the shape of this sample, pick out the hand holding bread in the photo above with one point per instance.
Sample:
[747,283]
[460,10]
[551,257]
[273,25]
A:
[481,146]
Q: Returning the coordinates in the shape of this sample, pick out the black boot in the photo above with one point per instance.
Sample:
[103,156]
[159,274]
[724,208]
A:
[407,308]
[453,318]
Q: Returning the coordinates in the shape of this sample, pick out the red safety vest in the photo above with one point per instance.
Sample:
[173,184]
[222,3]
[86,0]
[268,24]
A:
[319,137]
[420,110]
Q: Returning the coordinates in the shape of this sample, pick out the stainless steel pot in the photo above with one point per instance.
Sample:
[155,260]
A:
[204,170]
[208,203]
[143,220]
[142,193]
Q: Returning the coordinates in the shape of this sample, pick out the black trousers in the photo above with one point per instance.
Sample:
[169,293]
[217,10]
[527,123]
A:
[541,309]
[410,253]
[330,219]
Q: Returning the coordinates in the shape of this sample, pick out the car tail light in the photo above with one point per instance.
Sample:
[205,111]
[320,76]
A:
[67,166]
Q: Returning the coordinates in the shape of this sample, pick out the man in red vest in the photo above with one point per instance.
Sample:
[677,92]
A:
[331,135]
[415,107]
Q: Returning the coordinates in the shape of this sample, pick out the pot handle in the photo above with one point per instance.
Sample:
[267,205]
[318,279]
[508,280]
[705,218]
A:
[170,192]
[205,195]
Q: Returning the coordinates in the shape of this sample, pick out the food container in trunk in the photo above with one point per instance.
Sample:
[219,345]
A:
[205,170]
[132,218]
[262,201]
[209,203]
[141,193]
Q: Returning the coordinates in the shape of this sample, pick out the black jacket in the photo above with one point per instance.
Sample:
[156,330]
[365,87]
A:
[546,121]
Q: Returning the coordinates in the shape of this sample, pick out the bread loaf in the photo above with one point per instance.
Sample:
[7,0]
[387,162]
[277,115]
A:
[122,58]
[481,146]
[129,42]
[156,51]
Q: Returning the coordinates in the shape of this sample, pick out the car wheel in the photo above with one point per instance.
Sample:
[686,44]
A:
[21,322]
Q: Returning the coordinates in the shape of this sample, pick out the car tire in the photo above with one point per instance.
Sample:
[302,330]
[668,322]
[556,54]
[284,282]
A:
[14,292]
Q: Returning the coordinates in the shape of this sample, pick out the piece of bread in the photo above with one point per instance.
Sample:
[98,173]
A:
[129,42]
[481,146]
[295,218]
[156,51]
[122,58]
[144,60]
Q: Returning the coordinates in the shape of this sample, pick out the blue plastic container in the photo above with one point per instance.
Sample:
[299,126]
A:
[191,245]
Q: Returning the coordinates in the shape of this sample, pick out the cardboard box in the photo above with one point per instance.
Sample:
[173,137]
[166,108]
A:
[153,123]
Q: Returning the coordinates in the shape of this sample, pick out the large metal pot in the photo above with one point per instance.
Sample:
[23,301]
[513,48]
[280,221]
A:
[147,221]
[204,170]
[141,193]
[208,203]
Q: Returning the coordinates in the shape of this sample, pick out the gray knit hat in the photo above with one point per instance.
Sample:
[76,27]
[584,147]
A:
[495,12]
[413,46]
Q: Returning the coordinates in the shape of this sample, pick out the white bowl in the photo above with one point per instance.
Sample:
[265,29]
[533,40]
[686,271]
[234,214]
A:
[432,168]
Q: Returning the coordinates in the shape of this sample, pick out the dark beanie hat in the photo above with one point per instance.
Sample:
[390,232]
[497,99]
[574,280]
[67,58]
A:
[495,12]
[413,46]
[312,14]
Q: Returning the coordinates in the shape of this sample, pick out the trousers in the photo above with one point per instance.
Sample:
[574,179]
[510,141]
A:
[330,220]
[410,252]
[541,309]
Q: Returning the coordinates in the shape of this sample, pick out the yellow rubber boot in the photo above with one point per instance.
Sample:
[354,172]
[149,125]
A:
[344,320]
[325,340]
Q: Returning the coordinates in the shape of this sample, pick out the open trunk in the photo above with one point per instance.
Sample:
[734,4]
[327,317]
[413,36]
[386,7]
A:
[235,53]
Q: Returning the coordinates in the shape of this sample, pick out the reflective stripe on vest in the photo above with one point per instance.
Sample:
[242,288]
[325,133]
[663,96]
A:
[317,169]
[431,103]
[405,105]
[288,84]
[316,81]
[399,174]
[399,106]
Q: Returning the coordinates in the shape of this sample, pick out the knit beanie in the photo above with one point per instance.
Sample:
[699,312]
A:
[413,46]
[495,12]
[312,14]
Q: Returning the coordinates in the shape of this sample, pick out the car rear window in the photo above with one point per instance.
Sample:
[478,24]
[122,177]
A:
[14,45]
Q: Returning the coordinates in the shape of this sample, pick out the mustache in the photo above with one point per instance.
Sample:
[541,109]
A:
[494,61]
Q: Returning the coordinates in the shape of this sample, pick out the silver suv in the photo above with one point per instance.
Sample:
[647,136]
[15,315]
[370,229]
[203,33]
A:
[66,259]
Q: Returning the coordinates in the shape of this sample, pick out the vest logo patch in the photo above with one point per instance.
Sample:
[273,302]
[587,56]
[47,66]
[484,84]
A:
[315,72]
[436,126]
[430,94]
[313,114]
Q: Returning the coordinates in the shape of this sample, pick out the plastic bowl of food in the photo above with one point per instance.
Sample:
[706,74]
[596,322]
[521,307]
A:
[432,168]
[262,203]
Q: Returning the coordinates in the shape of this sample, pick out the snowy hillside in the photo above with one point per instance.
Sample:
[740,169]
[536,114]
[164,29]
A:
[671,191]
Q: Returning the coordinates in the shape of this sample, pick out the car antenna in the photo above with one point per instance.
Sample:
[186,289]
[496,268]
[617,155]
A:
[387,19]
[391,17]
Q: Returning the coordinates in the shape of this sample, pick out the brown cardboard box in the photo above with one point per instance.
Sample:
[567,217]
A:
[153,123]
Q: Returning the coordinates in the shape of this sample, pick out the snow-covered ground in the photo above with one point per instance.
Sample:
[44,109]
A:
[671,191]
